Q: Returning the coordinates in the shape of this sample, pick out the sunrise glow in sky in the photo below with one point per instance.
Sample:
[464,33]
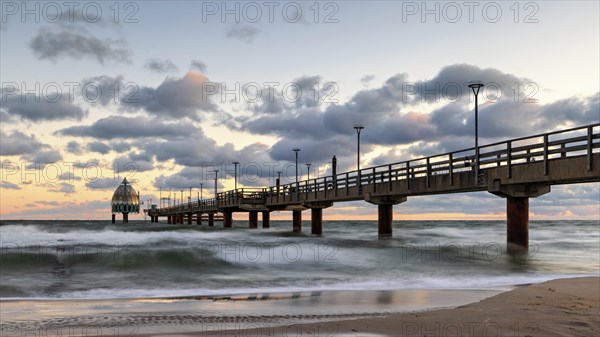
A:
[163,92]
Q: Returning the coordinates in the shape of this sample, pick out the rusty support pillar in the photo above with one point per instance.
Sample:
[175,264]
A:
[297,221]
[384,219]
[253,219]
[113,218]
[517,223]
[125,217]
[189,216]
[211,219]
[266,219]
[181,219]
[227,219]
[316,221]
[199,219]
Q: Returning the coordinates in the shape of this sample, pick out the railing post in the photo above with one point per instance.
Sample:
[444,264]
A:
[509,158]
[408,175]
[589,147]
[451,168]
[390,176]
[374,181]
[545,155]
[347,183]
[427,172]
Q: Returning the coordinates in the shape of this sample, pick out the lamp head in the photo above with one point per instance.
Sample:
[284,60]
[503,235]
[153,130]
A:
[475,86]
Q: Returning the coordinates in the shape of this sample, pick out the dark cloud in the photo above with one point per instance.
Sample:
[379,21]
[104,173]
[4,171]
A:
[35,108]
[52,44]
[98,147]
[160,66]
[9,186]
[103,184]
[43,157]
[73,147]
[243,32]
[121,147]
[117,127]
[175,98]
[135,162]
[65,188]
[198,65]
[16,143]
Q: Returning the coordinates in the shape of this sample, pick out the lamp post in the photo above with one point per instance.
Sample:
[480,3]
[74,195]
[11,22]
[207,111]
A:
[181,200]
[475,87]
[358,129]
[308,169]
[190,197]
[216,177]
[296,150]
[201,190]
[279,175]
[235,164]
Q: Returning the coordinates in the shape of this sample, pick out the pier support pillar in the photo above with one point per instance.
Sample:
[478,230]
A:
[181,219]
[316,221]
[297,221]
[253,219]
[385,216]
[385,211]
[266,219]
[169,219]
[113,218]
[125,217]
[199,219]
[211,219]
[227,219]
[189,216]
[517,223]
[517,212]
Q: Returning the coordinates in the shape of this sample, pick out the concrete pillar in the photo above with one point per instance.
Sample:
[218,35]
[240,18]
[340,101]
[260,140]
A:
[316,221]
[297,221]
[125,217]
[189,218]
[227,219]
[253,219]
[199,219]
[384,219]
[113,218]
[517,223]
[181,219]
[168,219]
[211,219]
[266,219]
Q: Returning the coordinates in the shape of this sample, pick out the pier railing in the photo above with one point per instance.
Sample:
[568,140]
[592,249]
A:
[580,141]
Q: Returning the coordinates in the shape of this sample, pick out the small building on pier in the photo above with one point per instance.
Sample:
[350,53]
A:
[125,200]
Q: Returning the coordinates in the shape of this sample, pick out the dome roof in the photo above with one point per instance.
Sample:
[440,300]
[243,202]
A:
[125,194]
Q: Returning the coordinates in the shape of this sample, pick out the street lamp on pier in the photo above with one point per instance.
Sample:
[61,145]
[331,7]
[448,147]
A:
[308,169]
[296,150]
[235,163]
[358,128]
[216,177]
[475,87]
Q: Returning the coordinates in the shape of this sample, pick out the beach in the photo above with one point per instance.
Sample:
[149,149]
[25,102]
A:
[562,307]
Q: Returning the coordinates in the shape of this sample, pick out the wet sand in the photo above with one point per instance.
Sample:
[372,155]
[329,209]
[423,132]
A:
[565,307]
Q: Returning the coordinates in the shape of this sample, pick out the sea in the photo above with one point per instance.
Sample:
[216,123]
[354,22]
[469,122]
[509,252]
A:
[100,260]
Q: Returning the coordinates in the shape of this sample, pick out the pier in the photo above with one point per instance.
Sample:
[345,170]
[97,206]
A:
[515,169]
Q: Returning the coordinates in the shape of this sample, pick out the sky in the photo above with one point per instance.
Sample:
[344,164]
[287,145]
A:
[162,93]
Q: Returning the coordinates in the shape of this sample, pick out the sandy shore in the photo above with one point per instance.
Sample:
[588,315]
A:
[564,307]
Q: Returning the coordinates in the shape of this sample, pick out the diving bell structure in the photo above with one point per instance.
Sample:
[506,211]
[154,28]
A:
[125,200]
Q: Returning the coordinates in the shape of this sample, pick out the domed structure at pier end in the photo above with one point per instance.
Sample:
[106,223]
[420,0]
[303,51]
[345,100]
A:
[125,200]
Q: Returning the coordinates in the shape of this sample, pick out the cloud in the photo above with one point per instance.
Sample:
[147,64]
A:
[118,127]
[36,108]
[52,44]
[16,143]
[98,147]
[103,184]
[160,66]
[65,188]
[243,32]
[10,186]
[73,147]
[175,98]
[198,65]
